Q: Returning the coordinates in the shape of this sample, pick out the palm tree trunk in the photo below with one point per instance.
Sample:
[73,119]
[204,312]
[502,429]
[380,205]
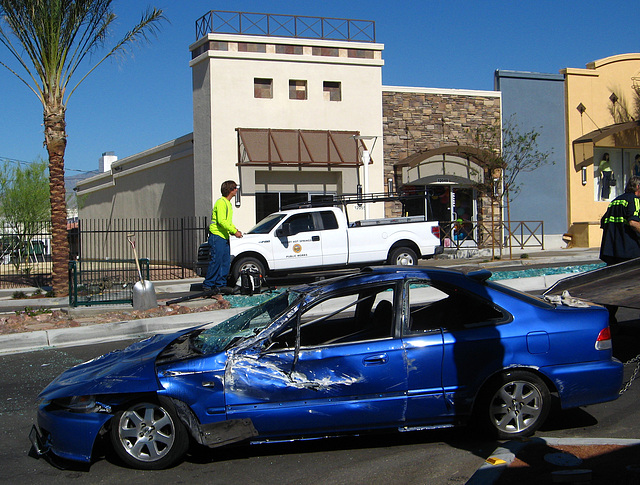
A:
[56,143]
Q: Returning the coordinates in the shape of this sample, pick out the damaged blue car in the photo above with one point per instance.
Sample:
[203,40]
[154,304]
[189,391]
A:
[402,348]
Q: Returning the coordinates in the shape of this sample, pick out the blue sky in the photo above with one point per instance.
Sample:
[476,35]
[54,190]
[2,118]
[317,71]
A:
[143,98]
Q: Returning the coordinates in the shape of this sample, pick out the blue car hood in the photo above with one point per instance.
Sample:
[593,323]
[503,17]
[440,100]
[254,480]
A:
[129,370]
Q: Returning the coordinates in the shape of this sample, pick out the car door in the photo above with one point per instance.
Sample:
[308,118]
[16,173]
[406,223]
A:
[334,240]
[453,344]
[299,245]
[423,339]
[343,374]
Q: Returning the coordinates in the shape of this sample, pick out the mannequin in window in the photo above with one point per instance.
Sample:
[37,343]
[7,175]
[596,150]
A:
[635,171]
[606,176]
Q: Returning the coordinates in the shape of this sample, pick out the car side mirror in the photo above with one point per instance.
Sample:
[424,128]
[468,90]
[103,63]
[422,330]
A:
[284,230]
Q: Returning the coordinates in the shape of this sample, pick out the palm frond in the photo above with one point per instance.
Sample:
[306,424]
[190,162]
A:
[57,36]
[148,25]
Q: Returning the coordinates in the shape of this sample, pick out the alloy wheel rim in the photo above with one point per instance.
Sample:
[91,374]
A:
[516,406]
[146,432]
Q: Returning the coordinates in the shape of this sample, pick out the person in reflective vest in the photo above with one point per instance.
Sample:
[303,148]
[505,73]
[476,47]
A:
[621,230]
[621,226]
[220,229]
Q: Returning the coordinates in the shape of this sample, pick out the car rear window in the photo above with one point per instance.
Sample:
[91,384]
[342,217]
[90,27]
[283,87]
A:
[533,300]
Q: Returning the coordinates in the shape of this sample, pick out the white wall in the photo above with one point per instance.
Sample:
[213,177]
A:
[225,79]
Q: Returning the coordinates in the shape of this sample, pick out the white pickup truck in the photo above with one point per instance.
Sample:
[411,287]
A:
[322,238]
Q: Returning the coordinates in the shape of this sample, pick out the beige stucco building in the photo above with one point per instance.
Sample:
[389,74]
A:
[289,119]
[280,115]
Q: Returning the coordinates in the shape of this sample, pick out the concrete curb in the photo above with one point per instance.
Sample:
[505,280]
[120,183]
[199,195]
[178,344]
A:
[504,455]
[108,332]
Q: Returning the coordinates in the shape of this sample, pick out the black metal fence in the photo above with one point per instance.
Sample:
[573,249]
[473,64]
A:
[479,234]
[171,245]
[25,257]
[249,23]
[104,282]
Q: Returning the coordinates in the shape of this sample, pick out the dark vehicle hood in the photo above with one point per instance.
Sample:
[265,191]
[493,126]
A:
[122,371]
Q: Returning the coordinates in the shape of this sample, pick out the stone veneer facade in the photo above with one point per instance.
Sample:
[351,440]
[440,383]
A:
[418,119]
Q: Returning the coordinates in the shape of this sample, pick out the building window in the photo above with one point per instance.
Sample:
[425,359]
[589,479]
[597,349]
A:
[218,46]
[262,88]
[332,91]
[250,47]
[325,51]
[297,89]
[212,46]
[360,53]
[268,203]
[289,49]
[612,170]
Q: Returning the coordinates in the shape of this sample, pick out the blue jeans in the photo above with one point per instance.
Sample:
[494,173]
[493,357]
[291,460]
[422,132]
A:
[220,262]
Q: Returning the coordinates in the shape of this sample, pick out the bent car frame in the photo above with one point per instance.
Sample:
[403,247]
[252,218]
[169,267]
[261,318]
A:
[387,348]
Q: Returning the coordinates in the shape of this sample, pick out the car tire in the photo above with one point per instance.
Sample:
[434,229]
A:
[403,256]
[246,263]
[514,405]
[149,435]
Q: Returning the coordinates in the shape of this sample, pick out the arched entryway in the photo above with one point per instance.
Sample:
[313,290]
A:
[449,178]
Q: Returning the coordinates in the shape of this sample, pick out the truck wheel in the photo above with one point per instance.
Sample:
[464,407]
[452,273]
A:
[514,405]
[246,263]
[403,256]
[149,435]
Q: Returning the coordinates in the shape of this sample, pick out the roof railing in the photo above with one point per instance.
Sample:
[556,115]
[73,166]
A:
[249,23]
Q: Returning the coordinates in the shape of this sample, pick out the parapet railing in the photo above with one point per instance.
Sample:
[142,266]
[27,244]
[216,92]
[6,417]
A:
[249,23]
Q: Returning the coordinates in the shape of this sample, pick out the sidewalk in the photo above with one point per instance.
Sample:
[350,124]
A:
[138,327]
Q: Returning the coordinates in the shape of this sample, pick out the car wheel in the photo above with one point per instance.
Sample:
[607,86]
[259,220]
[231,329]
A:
[403,256]
[246,263]
[149,436]
[515,405]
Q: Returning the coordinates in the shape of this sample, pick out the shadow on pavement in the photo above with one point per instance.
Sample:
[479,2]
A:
[594,464]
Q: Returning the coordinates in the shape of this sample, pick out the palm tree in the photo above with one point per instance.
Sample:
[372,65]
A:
[55,38]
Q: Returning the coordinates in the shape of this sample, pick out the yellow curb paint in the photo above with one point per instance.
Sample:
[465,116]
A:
[492,460]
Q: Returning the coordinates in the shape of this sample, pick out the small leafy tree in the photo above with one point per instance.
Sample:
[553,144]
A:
[622,113]
[24,207]
[507,152]
[512,152]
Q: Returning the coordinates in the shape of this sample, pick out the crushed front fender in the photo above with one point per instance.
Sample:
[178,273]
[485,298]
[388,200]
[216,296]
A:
[70,435]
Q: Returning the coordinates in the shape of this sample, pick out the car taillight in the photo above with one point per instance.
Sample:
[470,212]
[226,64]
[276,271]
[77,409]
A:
[435,230]
[603,342]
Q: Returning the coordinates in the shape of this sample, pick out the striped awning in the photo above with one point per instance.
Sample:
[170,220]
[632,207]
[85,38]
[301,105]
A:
[619,135]
[266,146]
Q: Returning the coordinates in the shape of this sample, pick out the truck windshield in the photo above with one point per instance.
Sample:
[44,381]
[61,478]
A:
[266,224]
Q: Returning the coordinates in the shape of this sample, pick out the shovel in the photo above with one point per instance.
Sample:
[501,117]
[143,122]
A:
[144,294]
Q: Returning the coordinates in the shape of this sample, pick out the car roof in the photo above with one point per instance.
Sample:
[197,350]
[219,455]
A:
[372,274]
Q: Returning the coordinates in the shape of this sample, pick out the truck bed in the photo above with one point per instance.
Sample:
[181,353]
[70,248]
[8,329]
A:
[610,285]
[387,221]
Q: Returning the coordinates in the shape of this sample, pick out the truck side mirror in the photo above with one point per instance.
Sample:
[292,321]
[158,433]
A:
[284,230]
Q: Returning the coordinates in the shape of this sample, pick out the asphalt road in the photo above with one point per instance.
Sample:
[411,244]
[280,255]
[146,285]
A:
[435,457]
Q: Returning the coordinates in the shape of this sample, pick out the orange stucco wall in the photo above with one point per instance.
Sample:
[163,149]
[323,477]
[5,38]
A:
[593,87]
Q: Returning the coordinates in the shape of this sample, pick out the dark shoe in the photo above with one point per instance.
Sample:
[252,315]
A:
[225,290]
[210,290]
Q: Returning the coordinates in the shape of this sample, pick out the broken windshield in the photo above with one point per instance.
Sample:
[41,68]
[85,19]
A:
[245,324]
